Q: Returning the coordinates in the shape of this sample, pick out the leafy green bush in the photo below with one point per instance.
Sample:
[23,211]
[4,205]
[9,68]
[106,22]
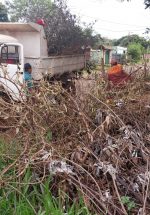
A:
[135,52]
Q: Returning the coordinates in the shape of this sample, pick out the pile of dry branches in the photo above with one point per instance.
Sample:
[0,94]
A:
[97,143]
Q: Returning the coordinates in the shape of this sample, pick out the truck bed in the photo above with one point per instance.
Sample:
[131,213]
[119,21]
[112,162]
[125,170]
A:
[56,65]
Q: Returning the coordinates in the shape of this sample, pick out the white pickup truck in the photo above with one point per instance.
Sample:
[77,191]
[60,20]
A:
[26,43]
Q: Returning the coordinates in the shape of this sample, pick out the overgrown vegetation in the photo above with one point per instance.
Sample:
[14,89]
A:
[135,52]
[77,154]
[26,198]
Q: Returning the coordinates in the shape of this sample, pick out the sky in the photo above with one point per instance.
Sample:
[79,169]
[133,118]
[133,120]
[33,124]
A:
[114,18]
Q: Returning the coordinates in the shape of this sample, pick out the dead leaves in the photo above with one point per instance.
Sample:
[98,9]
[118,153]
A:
[104,127]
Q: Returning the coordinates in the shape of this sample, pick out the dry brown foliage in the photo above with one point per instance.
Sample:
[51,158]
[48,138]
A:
[97,142]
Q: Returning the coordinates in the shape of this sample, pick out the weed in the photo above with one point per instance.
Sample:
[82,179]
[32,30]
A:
[126,200]
[28,199]
[49,136]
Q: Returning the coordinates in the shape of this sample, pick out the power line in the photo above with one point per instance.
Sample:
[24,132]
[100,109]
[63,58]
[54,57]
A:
[127,30]
[108,21]
[117,23]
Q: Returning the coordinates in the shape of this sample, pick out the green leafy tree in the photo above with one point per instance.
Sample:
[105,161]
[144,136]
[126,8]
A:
[135,52]
[25,10]
[129,39]
[3,13]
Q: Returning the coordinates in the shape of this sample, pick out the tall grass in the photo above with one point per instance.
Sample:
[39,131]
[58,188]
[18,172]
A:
[24,198]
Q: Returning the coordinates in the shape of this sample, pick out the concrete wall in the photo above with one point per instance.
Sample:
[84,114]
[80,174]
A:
[96,56]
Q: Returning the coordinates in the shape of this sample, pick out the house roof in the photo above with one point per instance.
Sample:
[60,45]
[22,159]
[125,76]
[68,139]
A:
[19,27]
[105,47]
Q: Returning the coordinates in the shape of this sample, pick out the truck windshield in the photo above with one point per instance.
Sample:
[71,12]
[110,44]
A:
[9,54]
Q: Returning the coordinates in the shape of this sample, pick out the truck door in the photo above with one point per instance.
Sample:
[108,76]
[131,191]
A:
[11,71]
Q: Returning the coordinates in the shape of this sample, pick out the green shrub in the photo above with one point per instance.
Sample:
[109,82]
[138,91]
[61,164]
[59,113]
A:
[135,52]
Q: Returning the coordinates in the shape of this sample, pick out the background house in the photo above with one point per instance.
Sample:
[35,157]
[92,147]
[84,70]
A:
[106,53]
[119,53]
[96,55]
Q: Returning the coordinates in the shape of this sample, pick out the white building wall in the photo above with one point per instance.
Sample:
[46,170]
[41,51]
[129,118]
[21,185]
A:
[119,50]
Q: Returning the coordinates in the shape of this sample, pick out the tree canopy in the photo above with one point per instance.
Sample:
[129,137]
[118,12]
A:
[63,30]
[128,39]
[3,13]
[135,52]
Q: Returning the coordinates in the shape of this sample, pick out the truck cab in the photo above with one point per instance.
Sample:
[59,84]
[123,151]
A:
[11,66]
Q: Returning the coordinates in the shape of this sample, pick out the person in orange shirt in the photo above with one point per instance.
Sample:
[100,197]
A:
[116,74]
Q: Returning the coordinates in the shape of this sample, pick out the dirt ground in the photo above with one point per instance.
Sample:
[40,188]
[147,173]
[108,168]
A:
[85,85]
